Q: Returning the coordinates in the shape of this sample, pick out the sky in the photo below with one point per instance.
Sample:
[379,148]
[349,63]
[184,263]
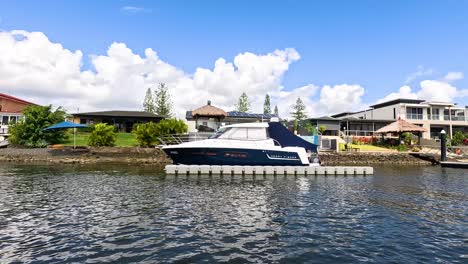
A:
[335,55]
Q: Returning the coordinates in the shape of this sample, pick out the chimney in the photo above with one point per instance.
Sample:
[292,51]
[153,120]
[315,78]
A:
[209,102]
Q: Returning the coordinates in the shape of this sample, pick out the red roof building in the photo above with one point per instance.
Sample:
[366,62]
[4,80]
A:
[11,108]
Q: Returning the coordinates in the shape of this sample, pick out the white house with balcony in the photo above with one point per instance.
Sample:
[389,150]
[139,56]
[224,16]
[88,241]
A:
[434,116]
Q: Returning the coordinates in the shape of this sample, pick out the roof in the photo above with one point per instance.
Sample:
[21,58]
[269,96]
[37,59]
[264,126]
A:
[238,114]
[342,114]
[400,126]
[324,118]
[10,97]
[209,110]
[119,113]
[397,101]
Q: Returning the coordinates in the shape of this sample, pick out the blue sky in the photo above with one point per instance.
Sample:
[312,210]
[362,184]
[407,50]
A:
[376,44]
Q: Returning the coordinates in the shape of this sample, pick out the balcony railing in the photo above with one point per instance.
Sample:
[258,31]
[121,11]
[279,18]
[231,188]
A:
[454,118]
[359,133]
[414,116]
[435,117]
[3,130]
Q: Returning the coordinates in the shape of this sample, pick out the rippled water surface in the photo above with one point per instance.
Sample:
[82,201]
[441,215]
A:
[127,214]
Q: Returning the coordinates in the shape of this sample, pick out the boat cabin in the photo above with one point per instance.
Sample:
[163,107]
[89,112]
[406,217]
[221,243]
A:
[249,131]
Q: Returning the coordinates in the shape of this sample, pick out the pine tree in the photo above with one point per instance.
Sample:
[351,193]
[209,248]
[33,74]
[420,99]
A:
[276,111]
[266,105]
[243,105]
[162,102]
[299,112]
[148,102]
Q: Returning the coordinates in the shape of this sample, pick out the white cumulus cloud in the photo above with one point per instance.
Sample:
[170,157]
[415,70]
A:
[432,90]
[341,98]
[35,68]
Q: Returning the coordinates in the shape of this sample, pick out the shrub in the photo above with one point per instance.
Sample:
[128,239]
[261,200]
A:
[364,140]
[171,126]
[146,134]
[30,132]
[415,149]
[102,135]
[402,148]
[406,136]
[341,146]
[458,138]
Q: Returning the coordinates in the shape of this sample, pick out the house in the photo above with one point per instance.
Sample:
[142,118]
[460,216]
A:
[434,116]
[122,120]
[208,118]
[11,109]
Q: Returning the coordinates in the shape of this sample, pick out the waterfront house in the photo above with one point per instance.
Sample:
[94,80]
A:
[208,118]
[11,109]
[433,116]
[122,120]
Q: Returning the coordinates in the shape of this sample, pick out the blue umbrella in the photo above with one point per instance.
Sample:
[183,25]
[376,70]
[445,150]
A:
[65,125]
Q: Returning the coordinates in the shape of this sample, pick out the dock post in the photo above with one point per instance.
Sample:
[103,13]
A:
[443,145]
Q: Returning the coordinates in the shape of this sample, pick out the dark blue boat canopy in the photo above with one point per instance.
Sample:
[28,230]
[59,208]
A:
[287,139]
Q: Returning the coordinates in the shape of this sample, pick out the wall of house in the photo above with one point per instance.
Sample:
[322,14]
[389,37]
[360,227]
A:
[209,122]
[382,113]
[7,105]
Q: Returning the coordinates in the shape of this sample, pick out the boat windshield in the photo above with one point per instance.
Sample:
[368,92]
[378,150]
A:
[220,132]
[241,133]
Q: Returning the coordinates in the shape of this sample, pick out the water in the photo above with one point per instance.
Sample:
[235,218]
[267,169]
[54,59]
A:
[127,214]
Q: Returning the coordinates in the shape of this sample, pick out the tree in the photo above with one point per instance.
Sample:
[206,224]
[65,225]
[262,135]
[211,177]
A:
[162,102]
[322,129]
[148,102]
[243,104]
[103,135]
[299,112]
[266,105]
[276,111]
[30,132]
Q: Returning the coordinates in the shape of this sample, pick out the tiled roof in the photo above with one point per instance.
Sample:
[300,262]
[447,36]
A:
[10,97]
[118,113]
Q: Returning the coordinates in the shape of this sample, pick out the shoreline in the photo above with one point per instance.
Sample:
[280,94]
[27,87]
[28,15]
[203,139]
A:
[153,156]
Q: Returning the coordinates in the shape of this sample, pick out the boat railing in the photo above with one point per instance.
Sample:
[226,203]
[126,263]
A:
[176,139]
[183,138]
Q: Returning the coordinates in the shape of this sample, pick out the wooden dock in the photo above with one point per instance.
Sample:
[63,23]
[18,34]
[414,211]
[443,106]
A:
[266,170]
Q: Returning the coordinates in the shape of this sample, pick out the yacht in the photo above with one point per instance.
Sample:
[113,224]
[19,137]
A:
[265,144]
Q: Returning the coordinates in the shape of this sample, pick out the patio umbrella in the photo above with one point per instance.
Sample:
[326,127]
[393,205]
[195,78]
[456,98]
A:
[401,126]
[66,125]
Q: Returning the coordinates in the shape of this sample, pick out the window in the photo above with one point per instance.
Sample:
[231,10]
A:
[414,113]
[256,133]
[394,113]
[12,120]
[435,113]
[205,123]
[5,120]
[83,121]
[238,133]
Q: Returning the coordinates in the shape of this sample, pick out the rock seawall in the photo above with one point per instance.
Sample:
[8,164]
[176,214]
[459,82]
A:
[153,156]
[370,158]
[131,155]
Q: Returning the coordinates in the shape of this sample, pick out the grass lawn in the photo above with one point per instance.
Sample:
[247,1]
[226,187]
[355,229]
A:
[369,148]
[122,140]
